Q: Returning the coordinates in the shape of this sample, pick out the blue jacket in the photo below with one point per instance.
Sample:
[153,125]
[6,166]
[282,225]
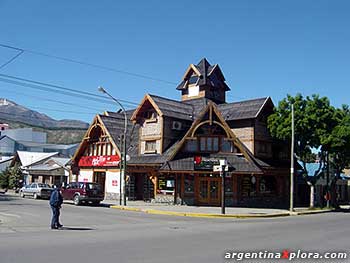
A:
[56,198]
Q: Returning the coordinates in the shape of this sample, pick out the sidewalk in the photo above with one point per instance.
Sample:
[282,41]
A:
[211,212]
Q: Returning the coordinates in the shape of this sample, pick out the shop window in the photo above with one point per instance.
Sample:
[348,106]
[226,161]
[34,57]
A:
[267,185]
[151,146]
[166,185]
[248,186]
[189,184]
[228,185]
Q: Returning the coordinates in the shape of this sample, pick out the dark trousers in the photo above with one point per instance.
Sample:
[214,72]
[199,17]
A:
[55,222]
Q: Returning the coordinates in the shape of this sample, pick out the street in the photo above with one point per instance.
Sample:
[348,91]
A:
[102,234]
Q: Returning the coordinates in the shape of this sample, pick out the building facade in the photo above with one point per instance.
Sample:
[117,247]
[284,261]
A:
[175,147]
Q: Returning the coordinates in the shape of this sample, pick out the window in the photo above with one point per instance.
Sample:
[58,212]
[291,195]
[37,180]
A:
[191,145]
[228,185]
[209,144]
[150,115]
[189,184]
[166,185]
[267,185]
[109,149]
[151,146]
[226,146]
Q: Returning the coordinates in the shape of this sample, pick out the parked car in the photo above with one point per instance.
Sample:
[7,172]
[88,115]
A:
[83,192]
[36,190]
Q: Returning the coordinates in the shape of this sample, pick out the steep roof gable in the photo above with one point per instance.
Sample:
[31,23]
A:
[212,110]
[203,74]
[101,121]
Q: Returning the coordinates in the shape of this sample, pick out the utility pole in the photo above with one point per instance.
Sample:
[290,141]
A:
[123,152]
[223,164]
[291,208]
[328,188]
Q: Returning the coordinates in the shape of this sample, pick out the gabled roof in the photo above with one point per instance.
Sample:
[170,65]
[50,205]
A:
[212,110]
[30,158]
[60,161]
[112,123]
[165,107]
[248,109]
[5,159]
[48,145]
[173,108]
[204,75]
[3,137]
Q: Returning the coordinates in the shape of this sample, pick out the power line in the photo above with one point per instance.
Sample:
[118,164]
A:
[90,64]
[26,115]
[12,59]
[56,101]
[66,111]
[51,90]
[63,88]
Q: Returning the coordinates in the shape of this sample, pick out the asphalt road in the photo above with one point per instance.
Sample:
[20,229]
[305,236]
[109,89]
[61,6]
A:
[101,234]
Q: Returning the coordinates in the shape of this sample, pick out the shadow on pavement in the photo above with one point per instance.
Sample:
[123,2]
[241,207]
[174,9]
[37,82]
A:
[342,210]
[102,205]
[6,197]
[77,228]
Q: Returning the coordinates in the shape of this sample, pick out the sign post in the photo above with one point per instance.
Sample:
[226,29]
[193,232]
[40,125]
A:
[223,166]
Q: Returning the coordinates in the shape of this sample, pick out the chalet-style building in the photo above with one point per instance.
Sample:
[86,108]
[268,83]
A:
[172,145]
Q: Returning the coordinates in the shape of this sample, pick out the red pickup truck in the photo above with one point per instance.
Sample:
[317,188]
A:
[83,192]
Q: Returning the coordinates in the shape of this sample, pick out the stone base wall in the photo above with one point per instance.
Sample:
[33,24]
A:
[112,196]
[163,199]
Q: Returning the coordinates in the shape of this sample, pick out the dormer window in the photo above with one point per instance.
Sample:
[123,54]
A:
[193,80]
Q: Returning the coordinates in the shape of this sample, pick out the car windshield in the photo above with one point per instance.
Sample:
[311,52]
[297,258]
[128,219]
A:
[44,185]
[91,186]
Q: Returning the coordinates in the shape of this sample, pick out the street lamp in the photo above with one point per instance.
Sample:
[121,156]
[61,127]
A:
[123,152]
[291,202]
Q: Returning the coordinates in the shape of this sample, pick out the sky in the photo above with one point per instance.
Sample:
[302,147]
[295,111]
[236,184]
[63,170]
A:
[264,48]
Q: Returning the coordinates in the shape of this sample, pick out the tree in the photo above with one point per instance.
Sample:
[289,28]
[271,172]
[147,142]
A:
[15,176]
[339,147]
[313,122]
[4,178]
[10,177]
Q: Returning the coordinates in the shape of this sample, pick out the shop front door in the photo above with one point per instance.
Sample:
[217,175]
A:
[100,178]
[209,190]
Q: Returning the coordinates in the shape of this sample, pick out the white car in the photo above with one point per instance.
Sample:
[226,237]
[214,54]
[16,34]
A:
[36,190]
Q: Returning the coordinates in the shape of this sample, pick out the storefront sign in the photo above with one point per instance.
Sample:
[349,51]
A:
[204,163]
[105,160]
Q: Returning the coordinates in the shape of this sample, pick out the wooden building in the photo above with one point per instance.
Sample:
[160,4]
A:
[173,144]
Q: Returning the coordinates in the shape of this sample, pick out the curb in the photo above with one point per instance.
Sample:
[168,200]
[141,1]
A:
[312,212]
[198,215]
[202,215]
[126,208]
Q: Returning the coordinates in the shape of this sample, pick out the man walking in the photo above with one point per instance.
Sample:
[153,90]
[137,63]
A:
[56,201]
